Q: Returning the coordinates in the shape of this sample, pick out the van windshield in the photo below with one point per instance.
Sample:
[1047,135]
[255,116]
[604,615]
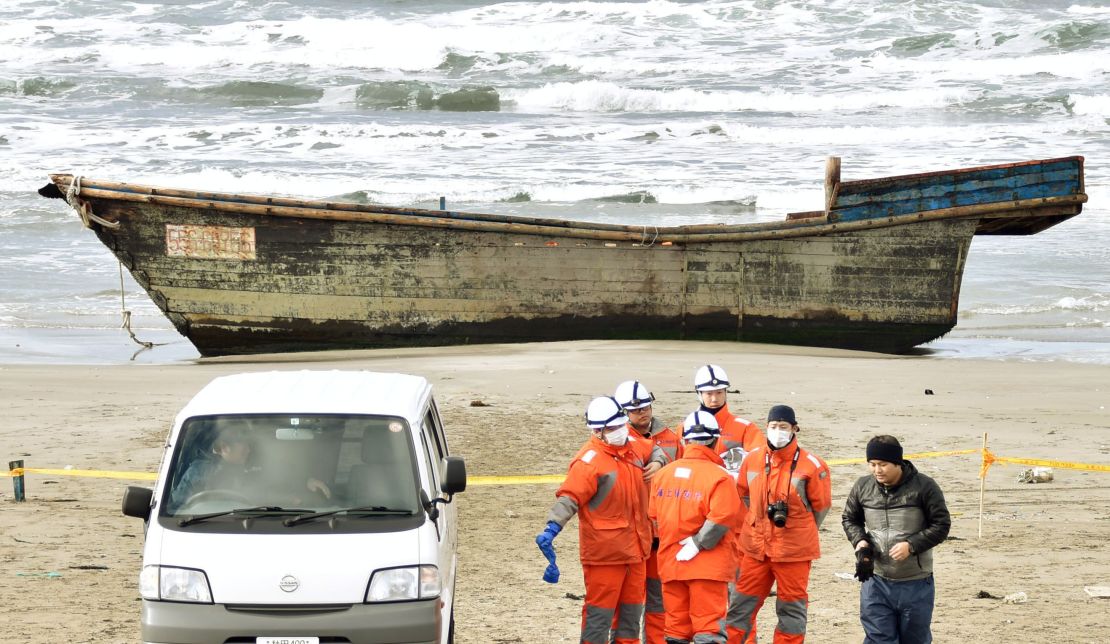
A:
[309,463]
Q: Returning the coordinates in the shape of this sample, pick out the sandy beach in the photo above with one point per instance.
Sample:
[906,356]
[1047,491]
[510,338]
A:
[70,560]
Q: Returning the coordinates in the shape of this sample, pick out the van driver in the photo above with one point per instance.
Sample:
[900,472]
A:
[226,472]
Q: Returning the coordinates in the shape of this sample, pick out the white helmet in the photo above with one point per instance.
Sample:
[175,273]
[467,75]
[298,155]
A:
[710,378]
[700,426]
[604,411]
[632,394]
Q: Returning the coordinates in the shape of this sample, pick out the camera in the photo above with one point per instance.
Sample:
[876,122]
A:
[777,512]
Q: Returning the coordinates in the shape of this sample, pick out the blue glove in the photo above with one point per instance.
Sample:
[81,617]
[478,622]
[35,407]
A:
[551,575]
[545,541]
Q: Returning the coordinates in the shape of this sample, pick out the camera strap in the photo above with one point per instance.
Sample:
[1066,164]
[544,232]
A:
[767,472]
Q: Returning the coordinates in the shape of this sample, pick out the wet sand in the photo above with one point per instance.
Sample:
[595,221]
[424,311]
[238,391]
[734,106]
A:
[1047,540]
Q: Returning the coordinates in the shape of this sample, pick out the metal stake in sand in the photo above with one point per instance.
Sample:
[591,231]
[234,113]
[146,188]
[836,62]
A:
[16,469]
[982,484]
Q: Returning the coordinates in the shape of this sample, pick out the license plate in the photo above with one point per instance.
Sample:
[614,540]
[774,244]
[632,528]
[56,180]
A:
[287,640]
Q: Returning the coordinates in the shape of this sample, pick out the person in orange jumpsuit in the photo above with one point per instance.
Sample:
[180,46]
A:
[637,400]
[660,445]
[605,487]
[738,437]
[711,385]
[788,492]
[695,507]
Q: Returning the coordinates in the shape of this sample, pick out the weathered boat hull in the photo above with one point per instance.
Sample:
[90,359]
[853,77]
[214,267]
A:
[245,275]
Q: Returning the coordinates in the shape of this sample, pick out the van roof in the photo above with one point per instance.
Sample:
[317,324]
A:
[321,392]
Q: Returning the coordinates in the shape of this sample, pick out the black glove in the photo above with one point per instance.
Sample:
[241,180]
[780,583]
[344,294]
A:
[865,563]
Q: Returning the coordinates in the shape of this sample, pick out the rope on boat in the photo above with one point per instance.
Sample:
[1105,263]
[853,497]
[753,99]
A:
[654,236]
[83,208]
[126,324]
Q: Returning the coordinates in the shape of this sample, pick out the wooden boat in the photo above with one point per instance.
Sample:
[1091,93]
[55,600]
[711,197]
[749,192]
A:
[878,269]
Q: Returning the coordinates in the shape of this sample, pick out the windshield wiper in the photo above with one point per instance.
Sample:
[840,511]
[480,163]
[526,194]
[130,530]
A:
[365,509]
[261,509]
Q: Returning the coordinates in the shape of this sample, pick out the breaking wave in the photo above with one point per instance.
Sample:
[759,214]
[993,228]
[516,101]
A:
[422,96]
[601,96]
[1095,303]
[36,86]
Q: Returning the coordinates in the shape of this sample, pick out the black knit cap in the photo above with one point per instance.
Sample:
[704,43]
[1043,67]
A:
[884,450]
[783,413]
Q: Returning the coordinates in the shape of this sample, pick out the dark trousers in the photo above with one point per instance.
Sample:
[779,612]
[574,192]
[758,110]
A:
[897,612]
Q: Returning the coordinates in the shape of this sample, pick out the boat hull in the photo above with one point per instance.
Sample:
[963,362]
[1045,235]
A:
[878,270]
[314,284]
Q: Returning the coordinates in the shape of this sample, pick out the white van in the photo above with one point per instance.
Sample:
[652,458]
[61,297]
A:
[299,508]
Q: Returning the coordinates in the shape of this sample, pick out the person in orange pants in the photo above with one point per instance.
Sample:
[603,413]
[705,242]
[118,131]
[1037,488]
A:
[695,506]
[738,437]
[604,487]
[788,492]
[637,400]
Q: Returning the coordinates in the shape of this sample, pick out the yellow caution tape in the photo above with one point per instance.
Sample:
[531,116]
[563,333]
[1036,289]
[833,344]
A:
[539,479]
[95,474]
[1063,465]
[957,452]
[514,480]
[558,478]
[855,461]
[151,476]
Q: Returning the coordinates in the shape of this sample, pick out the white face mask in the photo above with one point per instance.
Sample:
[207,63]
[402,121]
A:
[779,438]
[617,437]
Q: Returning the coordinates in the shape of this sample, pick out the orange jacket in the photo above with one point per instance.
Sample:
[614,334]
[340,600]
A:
[695,496]
[807,491]
[653,446]
[606,484]
[737,432]
[647,447]
[666,439]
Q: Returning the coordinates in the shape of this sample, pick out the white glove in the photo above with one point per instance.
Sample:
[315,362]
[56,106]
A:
[689,550]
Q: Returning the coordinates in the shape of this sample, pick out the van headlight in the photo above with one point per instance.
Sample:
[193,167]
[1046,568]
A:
[174,584]
[400,584]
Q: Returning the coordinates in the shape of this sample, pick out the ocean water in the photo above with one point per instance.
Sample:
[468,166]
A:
[635,112]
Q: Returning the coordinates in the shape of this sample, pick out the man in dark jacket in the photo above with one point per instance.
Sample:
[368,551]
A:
[894,517]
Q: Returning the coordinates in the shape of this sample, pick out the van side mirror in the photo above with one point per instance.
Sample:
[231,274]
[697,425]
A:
[454,475]
[136,502]
[454,481]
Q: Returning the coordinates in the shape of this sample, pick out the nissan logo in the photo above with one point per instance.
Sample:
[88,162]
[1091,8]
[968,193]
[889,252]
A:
[289,583]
